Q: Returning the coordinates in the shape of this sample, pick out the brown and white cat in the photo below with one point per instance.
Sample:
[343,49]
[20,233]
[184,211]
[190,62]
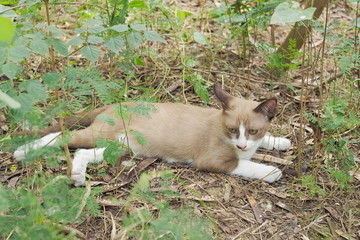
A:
[211,139]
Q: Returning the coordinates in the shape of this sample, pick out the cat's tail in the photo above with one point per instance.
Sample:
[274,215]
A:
[74,121]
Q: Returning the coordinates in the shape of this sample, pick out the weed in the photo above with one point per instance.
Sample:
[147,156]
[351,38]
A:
[31,210]
[164,223]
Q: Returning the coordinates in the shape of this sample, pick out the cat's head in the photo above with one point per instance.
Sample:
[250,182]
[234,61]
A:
[245,122]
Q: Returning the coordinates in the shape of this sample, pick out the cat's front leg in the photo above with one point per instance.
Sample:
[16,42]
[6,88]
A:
[253,170]
[270,142]
[82,158]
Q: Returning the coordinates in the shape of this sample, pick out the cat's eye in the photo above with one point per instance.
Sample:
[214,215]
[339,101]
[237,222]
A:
[232,130]
[253,131]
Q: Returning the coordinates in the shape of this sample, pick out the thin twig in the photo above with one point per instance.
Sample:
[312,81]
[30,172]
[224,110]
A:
[240,233]
[84,200]
[12,8]
[68,230]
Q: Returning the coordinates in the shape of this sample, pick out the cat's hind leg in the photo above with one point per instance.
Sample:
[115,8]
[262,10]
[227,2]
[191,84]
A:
[270,142]
[48,140]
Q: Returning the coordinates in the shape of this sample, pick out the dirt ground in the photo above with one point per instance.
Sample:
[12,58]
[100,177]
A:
[241,209]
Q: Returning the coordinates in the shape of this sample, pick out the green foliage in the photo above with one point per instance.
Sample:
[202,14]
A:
[289,12]
[139,137]
[200,38]
[200,86]
[167,222]
[313,189]
[142,108]
[30,211]
[8,29]
[106,118]
[276,61]
[338,118]
[32,214]
[113,150]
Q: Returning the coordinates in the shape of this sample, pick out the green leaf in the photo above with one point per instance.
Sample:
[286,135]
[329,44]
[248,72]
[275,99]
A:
[120,28]
[182,14]
[143,108]
[113,149]
[35,35]
[121,111]
[8,13]
[36,90]
[139,62]
[80,30]
[153,36]
[6,85]
[3,53]
[11,70]
[107,119]
[190,62]
[96,29]
[55,32]
[7,29]
[40,25]
[134,39]
[60,47]
[12,103]
[95,39]
[94,26]
[18,53]
[138,27]
[201,91]
[26,102]
[76,41]
[289,12]
[200,38]
[138,4]
[52,79]
[139,137]
[200,86]
[91,53]
[40,46]
[114,44]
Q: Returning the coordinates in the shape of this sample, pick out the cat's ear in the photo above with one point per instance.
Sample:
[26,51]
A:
[268,108]
[223,97]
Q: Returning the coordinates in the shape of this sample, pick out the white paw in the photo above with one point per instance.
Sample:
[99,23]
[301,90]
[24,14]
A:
[19,154]
[173,160]
[79,165]
[81,159]
[273,174]
[78,179]
[282,144]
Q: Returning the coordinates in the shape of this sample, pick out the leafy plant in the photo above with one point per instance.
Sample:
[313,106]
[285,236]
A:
[200,86]
[40,207]
[313,188]
[166,222]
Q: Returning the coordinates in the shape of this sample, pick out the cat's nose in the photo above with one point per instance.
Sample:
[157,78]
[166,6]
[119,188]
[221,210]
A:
[241,146]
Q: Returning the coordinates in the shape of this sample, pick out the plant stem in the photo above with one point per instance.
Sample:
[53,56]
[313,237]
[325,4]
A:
[57,95]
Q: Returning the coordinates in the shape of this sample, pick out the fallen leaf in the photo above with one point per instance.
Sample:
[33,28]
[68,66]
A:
[255,208]
[333,212]
[13,181]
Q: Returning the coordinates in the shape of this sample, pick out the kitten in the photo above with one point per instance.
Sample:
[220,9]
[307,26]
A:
[210,139]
